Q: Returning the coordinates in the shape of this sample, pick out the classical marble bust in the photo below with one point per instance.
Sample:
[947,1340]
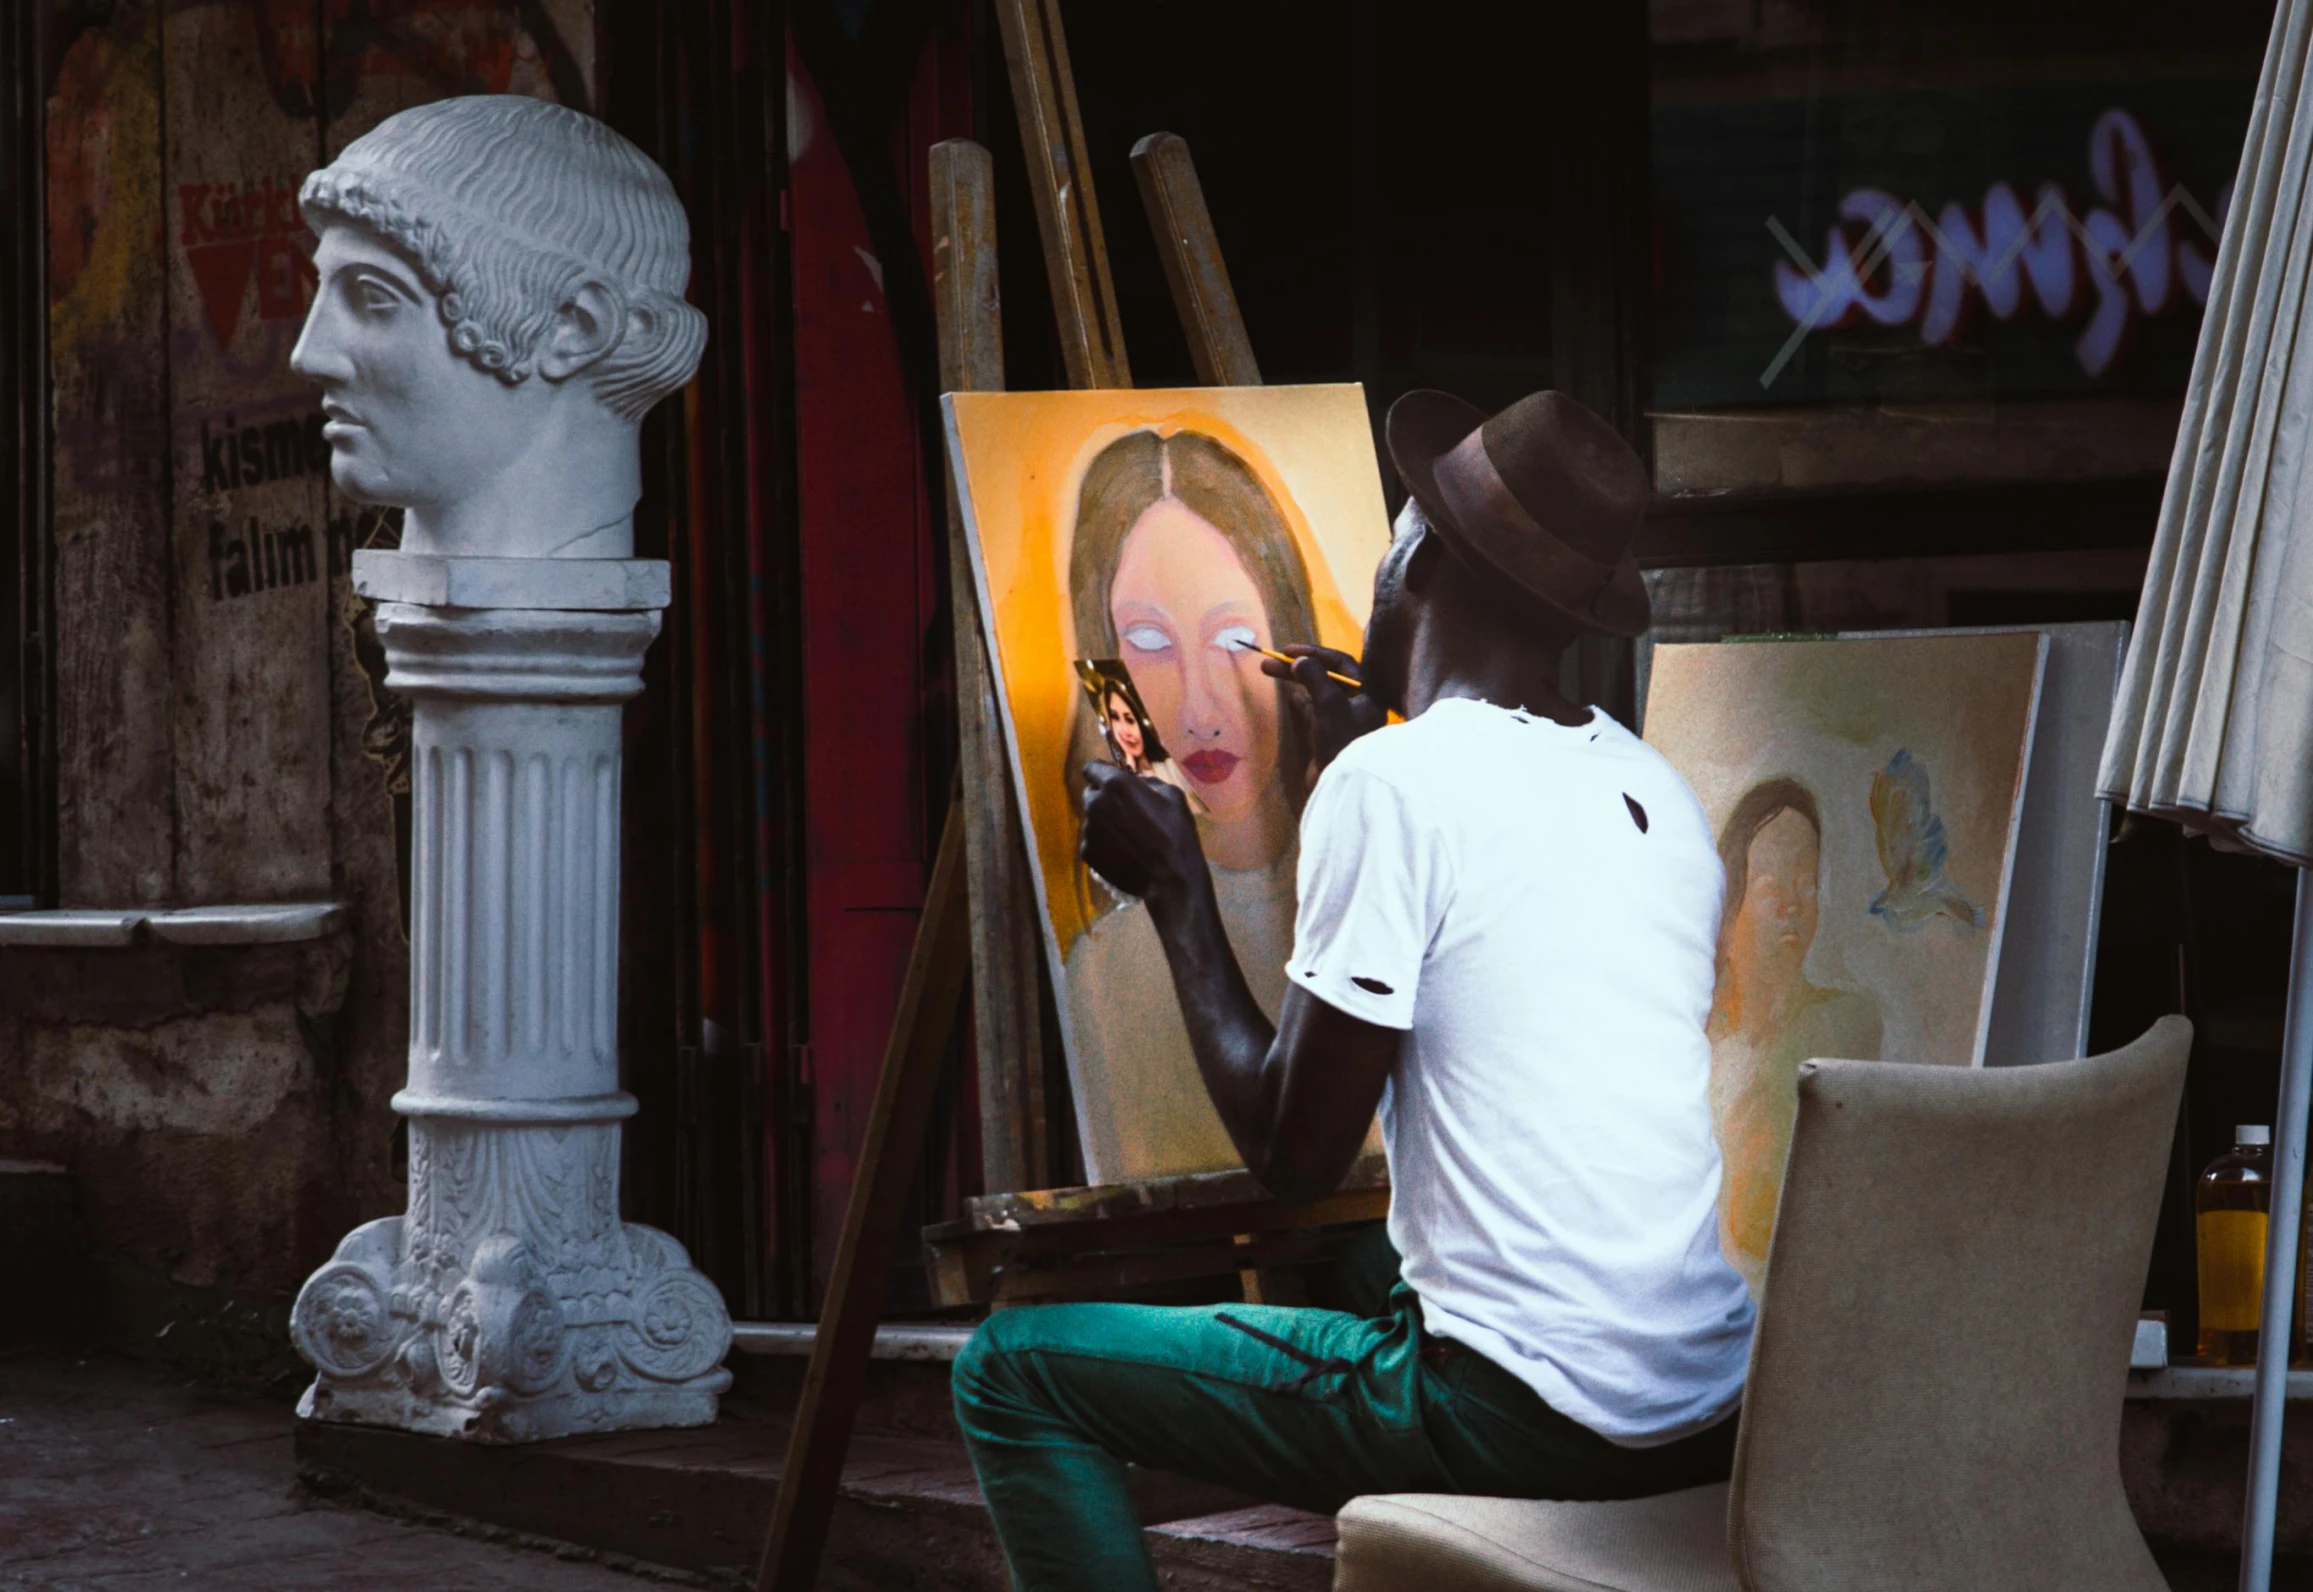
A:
[500,302]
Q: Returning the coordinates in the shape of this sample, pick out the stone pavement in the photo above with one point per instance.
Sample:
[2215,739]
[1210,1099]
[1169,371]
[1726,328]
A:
[113,1480]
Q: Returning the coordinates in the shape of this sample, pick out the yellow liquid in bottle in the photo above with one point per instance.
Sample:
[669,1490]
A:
[2230,1201]
[2232,1246]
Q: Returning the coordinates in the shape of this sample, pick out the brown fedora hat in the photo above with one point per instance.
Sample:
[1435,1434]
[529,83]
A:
[1545,495]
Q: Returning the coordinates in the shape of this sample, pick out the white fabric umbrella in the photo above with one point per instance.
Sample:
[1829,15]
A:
[2214,726]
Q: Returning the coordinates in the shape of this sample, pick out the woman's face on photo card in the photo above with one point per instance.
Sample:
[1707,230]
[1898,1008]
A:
[1124,729]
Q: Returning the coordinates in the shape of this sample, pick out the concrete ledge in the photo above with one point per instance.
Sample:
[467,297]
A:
[250,925]
[937,1343]
[2210,1382]
[74,927]
[262,923]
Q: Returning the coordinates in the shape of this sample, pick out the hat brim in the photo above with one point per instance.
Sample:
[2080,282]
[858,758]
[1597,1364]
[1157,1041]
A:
[1423,427]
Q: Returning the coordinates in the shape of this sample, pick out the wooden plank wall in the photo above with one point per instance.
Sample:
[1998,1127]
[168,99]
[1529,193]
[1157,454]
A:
[200,553]
[221,734]
[248,604]
[108,333]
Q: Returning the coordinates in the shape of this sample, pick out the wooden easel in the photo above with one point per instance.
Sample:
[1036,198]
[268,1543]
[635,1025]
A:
[979,916]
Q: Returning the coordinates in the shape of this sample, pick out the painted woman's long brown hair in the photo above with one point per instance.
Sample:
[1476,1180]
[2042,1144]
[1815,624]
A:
[1760,806]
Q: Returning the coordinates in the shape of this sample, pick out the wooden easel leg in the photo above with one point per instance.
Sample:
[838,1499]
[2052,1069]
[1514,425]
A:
[1060,180]
[1007,937]
[1194,269]
[888,1162]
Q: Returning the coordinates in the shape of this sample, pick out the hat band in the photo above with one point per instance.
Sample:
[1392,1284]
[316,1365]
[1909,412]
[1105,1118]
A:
[1477,494]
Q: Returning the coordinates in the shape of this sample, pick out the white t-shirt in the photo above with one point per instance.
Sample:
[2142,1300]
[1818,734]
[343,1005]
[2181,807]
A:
[1538,906]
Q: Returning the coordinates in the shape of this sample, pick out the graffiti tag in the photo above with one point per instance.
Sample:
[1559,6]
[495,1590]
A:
[2149,254]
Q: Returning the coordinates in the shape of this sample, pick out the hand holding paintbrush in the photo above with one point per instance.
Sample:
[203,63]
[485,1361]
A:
[1287,661]
[1339,716]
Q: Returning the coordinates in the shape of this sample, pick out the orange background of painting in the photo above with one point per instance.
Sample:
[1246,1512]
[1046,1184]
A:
[1021,458]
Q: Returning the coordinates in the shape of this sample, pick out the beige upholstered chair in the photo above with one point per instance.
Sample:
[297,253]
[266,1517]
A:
[1934,1403]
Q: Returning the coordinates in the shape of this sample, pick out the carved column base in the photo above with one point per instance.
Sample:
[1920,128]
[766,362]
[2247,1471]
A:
[511,1304]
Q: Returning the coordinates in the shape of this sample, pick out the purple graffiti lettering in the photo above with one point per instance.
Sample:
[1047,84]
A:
[1908,266]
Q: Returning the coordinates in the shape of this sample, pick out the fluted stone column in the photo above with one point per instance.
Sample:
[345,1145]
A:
[511,1303]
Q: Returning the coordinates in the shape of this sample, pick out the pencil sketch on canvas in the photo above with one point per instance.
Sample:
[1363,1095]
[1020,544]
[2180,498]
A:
[1131,547]
[1865,795]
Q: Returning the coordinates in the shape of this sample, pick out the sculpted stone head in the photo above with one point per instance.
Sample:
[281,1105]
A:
[500,302]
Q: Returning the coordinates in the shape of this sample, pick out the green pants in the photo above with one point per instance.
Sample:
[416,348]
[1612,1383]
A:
[1306,1407]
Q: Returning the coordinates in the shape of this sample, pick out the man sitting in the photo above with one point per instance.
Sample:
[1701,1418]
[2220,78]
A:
[1508,909]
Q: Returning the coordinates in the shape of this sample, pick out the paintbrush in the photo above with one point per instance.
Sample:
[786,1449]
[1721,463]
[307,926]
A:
[1330,674]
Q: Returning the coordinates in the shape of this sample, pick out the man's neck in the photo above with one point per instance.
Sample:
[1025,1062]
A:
[1446,666]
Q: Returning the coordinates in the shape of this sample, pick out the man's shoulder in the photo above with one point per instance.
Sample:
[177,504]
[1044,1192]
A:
[1442,743]
[1439,754]
[1387,778]
[1463,755]
[1408,755]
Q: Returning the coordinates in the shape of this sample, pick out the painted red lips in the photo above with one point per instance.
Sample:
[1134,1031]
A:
[1211,766]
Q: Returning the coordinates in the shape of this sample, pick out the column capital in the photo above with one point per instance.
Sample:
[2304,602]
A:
[526,655]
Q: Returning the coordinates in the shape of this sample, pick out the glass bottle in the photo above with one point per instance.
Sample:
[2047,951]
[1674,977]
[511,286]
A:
[2230,1209]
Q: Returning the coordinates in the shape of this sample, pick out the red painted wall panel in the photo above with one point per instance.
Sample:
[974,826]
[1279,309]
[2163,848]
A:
[871,585]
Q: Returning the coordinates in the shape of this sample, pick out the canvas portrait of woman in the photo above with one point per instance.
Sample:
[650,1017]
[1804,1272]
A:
[1182,533]
[1865,793]
[1180,561]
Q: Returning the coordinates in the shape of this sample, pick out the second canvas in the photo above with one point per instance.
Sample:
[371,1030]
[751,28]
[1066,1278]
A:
[1865,796]
[1170,531]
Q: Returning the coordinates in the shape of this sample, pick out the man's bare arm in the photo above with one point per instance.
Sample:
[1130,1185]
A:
[1297,1096]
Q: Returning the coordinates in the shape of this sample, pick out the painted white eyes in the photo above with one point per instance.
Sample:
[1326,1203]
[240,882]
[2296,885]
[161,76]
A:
[1151,639]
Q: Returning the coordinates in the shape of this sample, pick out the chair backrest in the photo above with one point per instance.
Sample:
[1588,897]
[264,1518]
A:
[1943,1346]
